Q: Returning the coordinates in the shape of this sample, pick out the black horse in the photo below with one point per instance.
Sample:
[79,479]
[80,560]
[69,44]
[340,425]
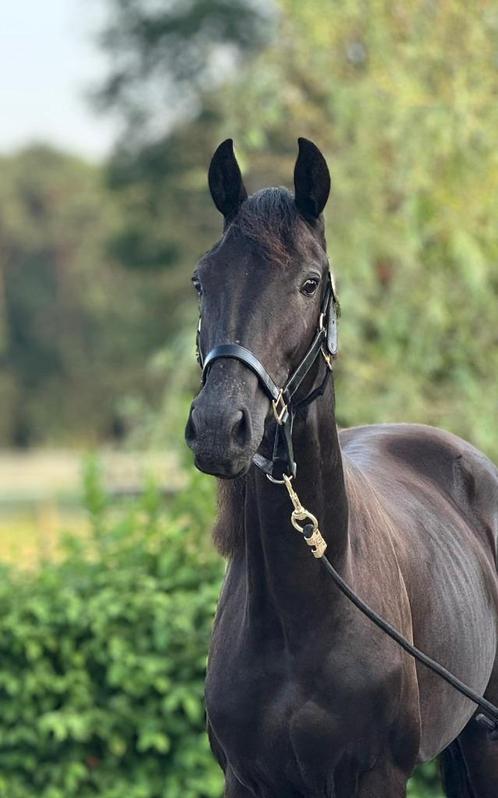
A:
[305,697]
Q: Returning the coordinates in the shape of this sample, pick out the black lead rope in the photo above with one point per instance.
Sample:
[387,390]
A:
[490,717]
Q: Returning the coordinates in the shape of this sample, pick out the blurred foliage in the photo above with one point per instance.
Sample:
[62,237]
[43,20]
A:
[103,656]
[75,328]
[401,99]
[426,782]
[162,56]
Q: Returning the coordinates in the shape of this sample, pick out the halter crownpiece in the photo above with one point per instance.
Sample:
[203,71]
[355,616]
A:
[282,398]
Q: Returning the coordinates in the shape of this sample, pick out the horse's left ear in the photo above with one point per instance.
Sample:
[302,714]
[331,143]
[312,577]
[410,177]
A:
[311,180]
[225,181]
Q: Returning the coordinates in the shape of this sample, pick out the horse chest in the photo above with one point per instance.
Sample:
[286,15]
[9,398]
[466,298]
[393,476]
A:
[274,721]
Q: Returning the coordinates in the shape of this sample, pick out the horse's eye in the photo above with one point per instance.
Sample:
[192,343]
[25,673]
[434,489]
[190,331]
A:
[197,285]
[310,285]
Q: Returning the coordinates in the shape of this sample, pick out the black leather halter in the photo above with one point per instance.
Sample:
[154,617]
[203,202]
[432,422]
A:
[283,398]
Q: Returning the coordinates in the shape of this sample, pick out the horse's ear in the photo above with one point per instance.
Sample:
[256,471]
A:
[311,180]
[225,181]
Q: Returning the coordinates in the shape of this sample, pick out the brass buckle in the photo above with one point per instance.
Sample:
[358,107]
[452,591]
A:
[280,409]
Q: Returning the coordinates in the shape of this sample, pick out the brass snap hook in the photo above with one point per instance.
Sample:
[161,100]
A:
[305,522]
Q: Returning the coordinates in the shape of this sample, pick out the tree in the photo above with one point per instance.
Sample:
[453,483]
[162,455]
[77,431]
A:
[163,56]
[402,100]
[71,337]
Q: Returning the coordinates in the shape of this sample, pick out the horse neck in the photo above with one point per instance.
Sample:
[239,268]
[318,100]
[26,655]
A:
[283,580]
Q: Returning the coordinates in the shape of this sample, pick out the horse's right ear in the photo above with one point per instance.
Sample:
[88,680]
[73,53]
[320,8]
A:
[225,181]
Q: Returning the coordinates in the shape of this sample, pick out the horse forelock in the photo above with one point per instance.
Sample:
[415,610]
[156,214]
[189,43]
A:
[271,221]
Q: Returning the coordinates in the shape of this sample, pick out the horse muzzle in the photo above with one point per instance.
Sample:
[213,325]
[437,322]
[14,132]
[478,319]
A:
[223,429]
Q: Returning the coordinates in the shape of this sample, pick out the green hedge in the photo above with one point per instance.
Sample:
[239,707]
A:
[102,657]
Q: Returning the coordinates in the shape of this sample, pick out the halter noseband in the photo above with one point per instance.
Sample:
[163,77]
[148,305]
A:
[324,342]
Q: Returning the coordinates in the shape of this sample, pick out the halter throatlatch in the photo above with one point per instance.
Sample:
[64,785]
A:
[283,398]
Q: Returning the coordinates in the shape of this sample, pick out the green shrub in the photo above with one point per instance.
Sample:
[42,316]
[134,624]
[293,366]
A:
[426,782]
[102,658]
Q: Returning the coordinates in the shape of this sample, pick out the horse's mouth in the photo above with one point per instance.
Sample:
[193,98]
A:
[228,471]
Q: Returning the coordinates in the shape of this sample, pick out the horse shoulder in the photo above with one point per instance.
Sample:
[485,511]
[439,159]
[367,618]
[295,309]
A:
[403,460]
[440,495]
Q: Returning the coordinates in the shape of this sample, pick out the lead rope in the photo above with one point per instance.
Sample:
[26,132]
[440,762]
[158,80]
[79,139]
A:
[307,524]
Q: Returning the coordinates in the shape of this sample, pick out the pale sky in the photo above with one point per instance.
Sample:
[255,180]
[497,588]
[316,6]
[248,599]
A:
[47,63]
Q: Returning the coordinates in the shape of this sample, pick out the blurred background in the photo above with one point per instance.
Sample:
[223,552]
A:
[111,110]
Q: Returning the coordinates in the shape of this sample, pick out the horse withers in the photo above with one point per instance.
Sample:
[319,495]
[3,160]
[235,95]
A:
[305,698]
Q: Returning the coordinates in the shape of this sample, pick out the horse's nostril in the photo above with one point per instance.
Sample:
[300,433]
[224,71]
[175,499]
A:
[190,430]
[241,429]
[230,429]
